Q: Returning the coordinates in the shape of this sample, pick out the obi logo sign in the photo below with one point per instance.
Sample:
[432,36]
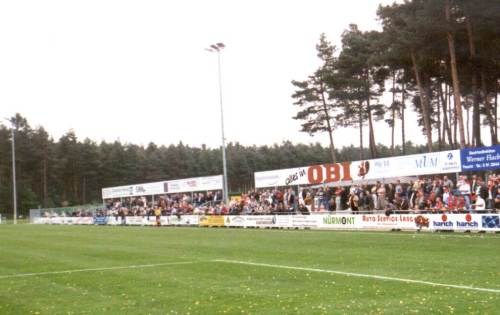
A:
[328,173]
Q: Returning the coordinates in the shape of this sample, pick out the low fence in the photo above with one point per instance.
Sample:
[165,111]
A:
[432,222]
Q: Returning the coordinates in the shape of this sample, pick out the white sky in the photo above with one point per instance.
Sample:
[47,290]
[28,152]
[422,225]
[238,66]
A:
[137,71]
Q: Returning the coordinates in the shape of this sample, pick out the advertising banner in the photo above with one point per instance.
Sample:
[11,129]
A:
[261,221]
[112,220]
[41,220]
[164,187]
[213,220]
[381,221]
[146,189]
[101,220]
[435,222]
[360,171]
[490,222]
[194,184]
[305,221]
[236,221]
[456,222]
[78,220]
[339,222]
[183,220]
[481,159]
[416,164]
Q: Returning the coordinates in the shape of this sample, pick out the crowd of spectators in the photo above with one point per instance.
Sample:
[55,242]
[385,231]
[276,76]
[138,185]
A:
[430,194]
[173,204]
[425,194]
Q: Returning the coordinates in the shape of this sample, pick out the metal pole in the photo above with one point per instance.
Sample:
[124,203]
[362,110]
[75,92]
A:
[14,188]
[225,193]
[224,163]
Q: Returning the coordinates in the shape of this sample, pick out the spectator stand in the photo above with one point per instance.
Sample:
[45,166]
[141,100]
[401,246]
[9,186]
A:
[173,197]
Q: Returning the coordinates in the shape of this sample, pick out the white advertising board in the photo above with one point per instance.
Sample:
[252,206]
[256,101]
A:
[194,184]
[146,189]
[165,187]
[238,221]
[436,222]
[339,221]
[457,222]
[263,221]
[381,221]
[183,220]
[360,171]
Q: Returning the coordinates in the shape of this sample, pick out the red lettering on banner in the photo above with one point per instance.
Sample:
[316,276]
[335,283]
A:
[315,174]
[346,169]
[332,173]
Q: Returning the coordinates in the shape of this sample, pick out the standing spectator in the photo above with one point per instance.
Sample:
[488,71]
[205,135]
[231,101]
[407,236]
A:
[437,187]
[381,197]
[474,183]
[366,202]
[353,201]
[481,189]
[400,202]
[291,199]
[338,198]
[420,201]
[323,203]
[480,203]
[446,194]
[398,189]
[375,196]
[497,199]
[158,216]
[447,182]
[309,201]
[302,196]
[463,187]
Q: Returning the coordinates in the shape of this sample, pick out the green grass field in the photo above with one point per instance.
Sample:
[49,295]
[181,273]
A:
[139,270]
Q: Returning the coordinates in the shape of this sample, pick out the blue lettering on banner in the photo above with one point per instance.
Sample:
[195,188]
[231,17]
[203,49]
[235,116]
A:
[100,220]
[481,159]
[472,224]
[442,224]
[426,162]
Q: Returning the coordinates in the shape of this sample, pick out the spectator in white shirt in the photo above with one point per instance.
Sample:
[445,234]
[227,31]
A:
[463,187]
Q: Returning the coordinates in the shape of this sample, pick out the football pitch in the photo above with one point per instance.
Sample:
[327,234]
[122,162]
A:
[145,270]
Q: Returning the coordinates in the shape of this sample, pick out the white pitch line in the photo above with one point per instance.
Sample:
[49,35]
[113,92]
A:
[361,275]
[34,274]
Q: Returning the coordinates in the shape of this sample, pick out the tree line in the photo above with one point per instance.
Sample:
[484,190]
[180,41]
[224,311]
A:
[438,57]
[438,60]
[70,171]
